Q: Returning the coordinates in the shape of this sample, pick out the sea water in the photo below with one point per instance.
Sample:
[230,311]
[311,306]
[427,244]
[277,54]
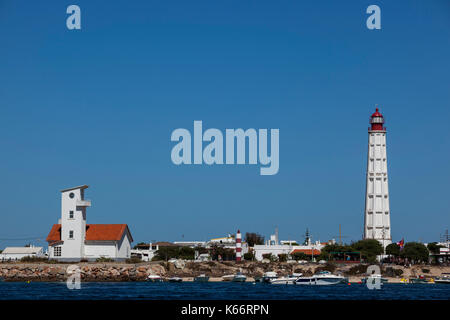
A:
[218,291]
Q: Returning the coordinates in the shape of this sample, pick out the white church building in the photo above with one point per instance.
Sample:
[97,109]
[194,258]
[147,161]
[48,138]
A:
[72,239]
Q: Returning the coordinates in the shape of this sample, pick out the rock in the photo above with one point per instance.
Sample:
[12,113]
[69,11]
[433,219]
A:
[180,264]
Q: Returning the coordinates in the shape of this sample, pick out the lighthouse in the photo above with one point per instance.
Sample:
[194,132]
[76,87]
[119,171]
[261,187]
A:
[238,246]
[377,222]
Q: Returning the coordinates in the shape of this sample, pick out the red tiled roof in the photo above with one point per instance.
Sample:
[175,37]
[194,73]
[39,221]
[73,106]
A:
[308,252]
[94,232]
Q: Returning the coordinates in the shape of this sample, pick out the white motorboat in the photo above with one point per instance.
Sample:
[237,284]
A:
[321,279]
[175,279]
[239,277]
[269,276]
[201,278]
[444,278]
[154,278]
[286,280]
[228,277]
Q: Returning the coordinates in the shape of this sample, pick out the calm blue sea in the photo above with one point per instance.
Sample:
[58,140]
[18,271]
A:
[218,291]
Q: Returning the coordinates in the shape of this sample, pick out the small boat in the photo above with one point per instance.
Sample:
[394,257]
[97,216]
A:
[443,279]
[268,276]
[201,278]
[321,279]
[154,278]
[404,280]
[239,277]
[228,277]
[290,279]
[373,278]
[421,280]
[175,279]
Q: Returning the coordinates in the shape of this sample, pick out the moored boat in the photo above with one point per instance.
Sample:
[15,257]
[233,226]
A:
[175,279]
[443,279]
[228,277]
[290,279]
[268,276]
[239,277]
[323,278]
[154,278]
[421,280]
[201,278]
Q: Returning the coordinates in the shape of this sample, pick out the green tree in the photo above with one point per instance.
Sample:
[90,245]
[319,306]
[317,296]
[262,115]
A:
[175,252]
[253,238]
[249,256]
[299,256]
[415,252]
[393,249]
[433,247]
[282,257]
[369,249]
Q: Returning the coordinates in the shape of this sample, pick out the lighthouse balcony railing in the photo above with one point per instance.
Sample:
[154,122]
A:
[83,203]
[381,130]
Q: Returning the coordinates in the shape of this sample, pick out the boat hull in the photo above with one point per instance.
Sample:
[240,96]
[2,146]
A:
[201,279]
[312,281]
[239,279]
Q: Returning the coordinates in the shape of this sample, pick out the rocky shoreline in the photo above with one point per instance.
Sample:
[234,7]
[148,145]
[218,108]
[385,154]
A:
[113,272]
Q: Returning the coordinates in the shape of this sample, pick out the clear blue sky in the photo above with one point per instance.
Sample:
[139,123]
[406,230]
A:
[97,107]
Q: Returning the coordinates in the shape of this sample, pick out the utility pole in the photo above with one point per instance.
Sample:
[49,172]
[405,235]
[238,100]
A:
[340,235]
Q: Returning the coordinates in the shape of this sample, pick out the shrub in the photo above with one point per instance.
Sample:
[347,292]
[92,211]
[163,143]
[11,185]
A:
[327,267]
[34,259]
[270,257]
[300,256]
[104,259]
[133,260]
[282,257]
[249,256]
[357,269]
[391,272]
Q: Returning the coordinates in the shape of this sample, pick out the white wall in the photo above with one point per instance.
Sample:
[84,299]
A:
[124,247]
[106,249]
[273,249]
[18,256]
[72,248]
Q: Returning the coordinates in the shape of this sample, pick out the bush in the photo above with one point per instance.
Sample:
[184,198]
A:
[103,259]
[424,270]
[327,267]
[391,272]
[167,253]
[34,259]
[249,256]
[282,257]
[270,257]
[133,260]
[300,256]
[357,269]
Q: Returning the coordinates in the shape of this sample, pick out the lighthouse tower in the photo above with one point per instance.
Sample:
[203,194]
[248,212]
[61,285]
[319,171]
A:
[238,246]
[377,222]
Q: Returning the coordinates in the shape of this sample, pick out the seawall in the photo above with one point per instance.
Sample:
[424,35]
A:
[187,270]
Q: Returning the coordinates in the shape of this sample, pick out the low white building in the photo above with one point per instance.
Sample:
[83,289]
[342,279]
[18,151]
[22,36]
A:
[145,252]
[72,239]
[17,253]
[288,247]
